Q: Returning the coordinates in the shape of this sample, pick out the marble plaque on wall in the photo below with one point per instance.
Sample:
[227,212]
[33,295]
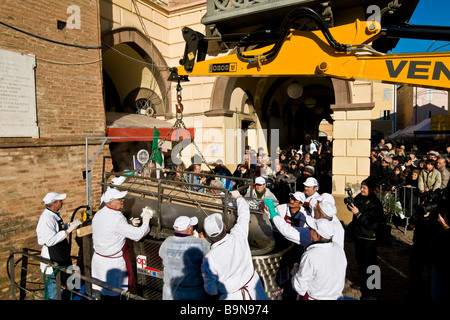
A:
[18,117]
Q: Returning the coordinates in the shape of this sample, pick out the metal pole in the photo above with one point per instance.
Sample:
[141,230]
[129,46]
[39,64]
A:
[58,284]
[12,274]
[88,182]
[23,276]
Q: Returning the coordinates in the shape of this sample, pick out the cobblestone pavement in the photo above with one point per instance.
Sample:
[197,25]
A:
[393,260]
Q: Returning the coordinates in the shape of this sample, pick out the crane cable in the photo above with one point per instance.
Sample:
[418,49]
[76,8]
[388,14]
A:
[289,20]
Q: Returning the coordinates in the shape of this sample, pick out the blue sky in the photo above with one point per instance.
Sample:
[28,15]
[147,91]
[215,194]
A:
[428,12]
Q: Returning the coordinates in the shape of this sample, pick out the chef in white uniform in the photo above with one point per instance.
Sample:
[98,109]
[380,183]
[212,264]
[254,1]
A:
[321,273]
[310,187]
[228,269]
[110,231]
[289,218]
[52,235]
[324,208]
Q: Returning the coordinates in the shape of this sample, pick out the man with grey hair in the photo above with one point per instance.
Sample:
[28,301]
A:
[445,174]
[111,262]
[182,256]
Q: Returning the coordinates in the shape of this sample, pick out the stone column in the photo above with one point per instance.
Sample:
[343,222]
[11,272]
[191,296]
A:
[351,151]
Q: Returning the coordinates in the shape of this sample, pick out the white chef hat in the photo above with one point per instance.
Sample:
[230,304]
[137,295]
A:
[298,195]
[326,197]
[323,227]
[113,194]
[311,182]
[53,196]
[260,180]
[182,223]
[327,208]
[117,181]
[213,224]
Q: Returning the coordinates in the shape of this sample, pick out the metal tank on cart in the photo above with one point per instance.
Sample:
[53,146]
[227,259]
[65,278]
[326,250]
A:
[170,199]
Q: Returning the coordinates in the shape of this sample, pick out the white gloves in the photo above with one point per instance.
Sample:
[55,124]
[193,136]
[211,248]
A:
[235,194]
[73,225]
[135,222]
[146,214]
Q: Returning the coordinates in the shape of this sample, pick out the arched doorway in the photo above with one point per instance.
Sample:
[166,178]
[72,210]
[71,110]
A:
[135,82]
[292,116]
[135,74]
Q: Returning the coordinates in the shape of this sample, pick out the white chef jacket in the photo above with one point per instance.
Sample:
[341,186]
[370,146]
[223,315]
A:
[339,232]
[308,199]
[228,266]
[321,272]
[110,230]
[297,234]
[48,235]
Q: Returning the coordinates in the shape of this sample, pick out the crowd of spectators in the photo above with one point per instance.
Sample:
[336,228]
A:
[394,166]
[397,165]
[284,172]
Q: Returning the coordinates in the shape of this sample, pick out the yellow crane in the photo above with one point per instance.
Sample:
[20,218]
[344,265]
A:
[340,52]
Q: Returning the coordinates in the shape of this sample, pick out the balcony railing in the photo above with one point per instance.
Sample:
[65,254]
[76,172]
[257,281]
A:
[222,10]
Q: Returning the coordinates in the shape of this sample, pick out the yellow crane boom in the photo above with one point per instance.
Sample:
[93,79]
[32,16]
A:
[312,53]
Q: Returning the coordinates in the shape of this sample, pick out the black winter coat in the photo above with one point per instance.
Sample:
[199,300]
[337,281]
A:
[371,216]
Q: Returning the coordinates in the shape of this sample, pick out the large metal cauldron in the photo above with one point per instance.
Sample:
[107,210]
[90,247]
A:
[169,200]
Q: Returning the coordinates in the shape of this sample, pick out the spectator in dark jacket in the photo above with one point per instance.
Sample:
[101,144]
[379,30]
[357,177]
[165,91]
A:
[397,179]
[367,215]
[385,171]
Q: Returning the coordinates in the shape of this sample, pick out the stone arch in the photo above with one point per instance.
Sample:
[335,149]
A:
[222,91]
[146,48]
[342,91]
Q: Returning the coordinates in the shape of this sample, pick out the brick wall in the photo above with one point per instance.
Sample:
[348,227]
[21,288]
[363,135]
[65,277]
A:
[69,108]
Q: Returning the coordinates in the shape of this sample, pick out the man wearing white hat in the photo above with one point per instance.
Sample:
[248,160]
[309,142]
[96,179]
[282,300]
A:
[290,221]
[110,230]
[324,208]
[321,273]
[228,269]
[182,256]
[289,218]
[52,235]
[116,181]
[310,187]
[260,192]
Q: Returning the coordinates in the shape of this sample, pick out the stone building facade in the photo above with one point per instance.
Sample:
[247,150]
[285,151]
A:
[69,107]
[119,57]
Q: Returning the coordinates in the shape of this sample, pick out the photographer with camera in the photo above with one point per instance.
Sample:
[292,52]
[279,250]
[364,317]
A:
[367,215]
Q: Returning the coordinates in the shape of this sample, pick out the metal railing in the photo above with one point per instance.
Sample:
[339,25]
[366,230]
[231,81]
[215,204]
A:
[408,198]
[28,283]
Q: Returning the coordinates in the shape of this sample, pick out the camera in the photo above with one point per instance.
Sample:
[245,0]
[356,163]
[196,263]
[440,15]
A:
[432,201]
[349,200]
